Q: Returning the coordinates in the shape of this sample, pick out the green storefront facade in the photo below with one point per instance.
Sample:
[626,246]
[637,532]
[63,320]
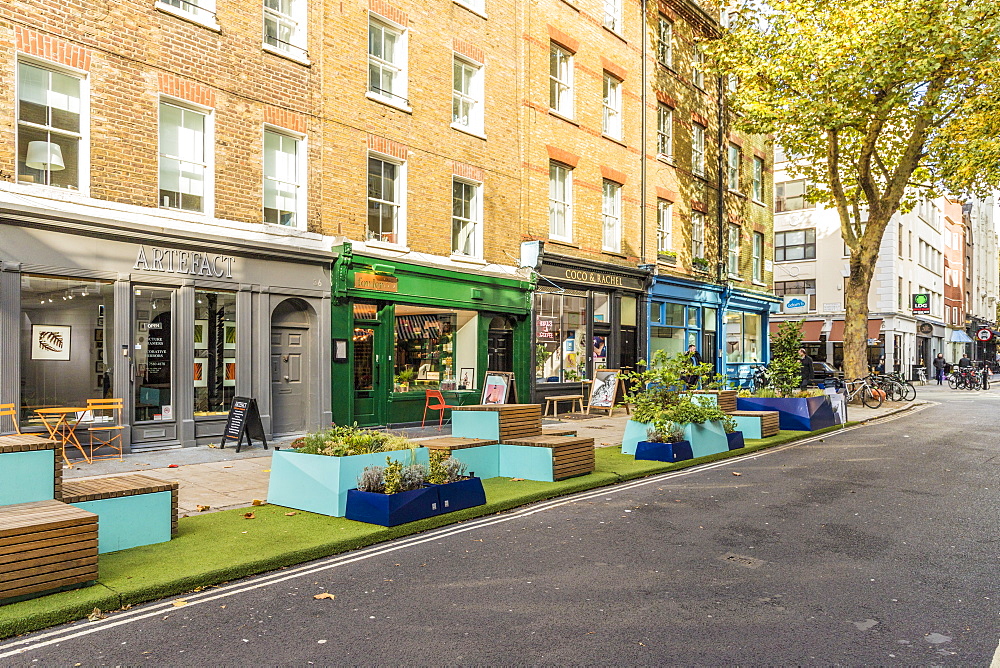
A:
[402,328]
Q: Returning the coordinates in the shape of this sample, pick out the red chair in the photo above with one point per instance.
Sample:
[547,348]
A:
[440,405]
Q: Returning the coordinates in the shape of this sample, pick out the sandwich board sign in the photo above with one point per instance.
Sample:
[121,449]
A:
[243,422]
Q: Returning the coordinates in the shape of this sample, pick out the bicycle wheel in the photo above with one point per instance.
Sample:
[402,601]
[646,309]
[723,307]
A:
[953,382]
[909,392]
[870,398]
[898,392]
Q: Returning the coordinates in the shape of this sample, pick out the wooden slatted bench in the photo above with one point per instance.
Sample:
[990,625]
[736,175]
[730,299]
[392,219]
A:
[45,546]
[552,402]
[450,443]
[571,455]
[30,469]
[558,431]
[725,399]
[500,421]
[757,424]
[134,509]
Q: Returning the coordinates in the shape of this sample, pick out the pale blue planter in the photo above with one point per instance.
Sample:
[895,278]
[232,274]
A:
[27,476]
[706,439]
[508,461]
[634,432]
[319,484]
[130,521]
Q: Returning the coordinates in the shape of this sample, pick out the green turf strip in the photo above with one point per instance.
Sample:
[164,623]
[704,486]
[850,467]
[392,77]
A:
[223,546]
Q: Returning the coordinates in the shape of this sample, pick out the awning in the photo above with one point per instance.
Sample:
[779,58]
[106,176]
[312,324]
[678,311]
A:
[837,331]
[810,329]
[958,336]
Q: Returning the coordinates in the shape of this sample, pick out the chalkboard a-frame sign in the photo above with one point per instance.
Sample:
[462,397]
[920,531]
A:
[243,422]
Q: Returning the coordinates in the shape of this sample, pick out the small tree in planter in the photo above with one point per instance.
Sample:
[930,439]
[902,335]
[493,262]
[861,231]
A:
[785,368]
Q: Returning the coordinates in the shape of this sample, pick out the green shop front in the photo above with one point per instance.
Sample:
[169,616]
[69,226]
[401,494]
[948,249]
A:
[401,329]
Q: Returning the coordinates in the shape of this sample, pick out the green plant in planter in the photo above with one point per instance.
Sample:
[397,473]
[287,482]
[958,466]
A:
[785,369]
[444,468]
[405,377]
[700,263]
[729,423]
[660,386]
[542,356]
[343,441]
[672,433]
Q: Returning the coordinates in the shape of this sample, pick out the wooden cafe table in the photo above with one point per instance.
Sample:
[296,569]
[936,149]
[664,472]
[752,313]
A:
[61,424]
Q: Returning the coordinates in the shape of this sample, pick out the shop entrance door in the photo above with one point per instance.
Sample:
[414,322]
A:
[371,397]
[290,369]
[500,345]
[628,354]
[153,368]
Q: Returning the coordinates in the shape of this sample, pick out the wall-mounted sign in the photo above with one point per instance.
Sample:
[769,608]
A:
[593,278]
[171,261]
[985,335]
[921,302]
[925,328]
[378,282]
[795,304]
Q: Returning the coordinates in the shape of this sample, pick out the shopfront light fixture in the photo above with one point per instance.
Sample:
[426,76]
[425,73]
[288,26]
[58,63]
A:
[45,155]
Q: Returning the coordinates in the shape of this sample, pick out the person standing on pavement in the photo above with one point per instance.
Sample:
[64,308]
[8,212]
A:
[694,358]
[965,362]
[807,369]
[939,365]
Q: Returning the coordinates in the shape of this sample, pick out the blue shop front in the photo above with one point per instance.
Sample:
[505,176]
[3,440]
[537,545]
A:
[727,325]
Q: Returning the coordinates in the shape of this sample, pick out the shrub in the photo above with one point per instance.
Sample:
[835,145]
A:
[445,469]
[343,441]
[785,368]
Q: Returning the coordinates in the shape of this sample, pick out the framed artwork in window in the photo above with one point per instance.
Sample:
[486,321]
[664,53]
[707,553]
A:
[200,334]
[51,342]
[201,372]
[229,335]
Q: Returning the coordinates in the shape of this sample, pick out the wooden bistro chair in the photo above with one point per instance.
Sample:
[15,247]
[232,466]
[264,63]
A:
[106,427]
[8,410]
[438,404]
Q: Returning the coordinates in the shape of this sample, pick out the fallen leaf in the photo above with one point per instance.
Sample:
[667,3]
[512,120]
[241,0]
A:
[517,479]
[173,466]
[267,470]
[290,514]
[202,509]
[257,502]
[325,594]
[227,467]
[180,602]
[249,516]
[735,473]
[96,614]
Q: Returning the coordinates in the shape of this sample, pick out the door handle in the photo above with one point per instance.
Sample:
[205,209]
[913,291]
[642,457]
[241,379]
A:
[286,379]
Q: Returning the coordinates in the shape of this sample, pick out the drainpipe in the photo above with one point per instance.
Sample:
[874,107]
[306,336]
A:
[642,147]
[720,217]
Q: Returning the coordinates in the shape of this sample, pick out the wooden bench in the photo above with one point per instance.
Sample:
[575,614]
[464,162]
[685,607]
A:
[45,546]
[450,443]
[558,431]
[757,424]
[30,469]
[133,509]
[725,399]
[552,402]
[500,421]
[571,455]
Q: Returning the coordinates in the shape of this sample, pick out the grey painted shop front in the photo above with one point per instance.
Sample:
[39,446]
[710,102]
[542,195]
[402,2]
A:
[176,324]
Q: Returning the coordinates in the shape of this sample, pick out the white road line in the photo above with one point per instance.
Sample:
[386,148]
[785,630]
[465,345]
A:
[46,639]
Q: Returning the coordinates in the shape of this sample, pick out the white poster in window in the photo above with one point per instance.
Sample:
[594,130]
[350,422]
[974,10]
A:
[50,342]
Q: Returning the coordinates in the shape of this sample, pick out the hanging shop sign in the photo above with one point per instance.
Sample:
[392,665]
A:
[379,282]
[171,261]
[921,302]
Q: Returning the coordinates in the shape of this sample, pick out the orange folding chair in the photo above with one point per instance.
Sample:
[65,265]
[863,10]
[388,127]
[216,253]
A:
[105,427]
[8,410]
[438,405]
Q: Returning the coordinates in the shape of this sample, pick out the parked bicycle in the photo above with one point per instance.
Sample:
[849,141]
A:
[965,378]
[895,386]
[865,391]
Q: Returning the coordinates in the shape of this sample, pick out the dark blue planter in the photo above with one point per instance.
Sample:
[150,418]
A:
[663,452]
[461,494]
[389,510]
[735,440]
[805,414]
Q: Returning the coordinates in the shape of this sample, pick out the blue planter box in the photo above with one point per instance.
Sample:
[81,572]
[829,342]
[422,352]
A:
[461,494]
[389,510]
[705,439]
[735,440]
[663,452]
[796,414]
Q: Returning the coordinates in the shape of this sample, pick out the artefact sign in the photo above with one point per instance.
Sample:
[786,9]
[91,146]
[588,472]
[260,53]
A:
[243,422]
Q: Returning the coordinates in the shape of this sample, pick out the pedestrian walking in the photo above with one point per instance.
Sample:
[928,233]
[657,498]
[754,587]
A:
[965,362]
[695,359]
[939,365]
[807,369]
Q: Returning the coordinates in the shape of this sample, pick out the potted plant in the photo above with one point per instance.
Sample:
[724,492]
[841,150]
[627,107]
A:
[670,257]
[664,443]
[397,494]
[734,436]
[700,264]
[404,378]
[315,474]
[803,410]
[542,355]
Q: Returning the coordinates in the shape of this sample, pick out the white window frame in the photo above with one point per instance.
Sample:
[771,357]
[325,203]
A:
[560,90]
[300,181]
[611,216]
[201,12]
[733,249]
[564,173]
[474,97]
[735,156]
[664,131]
[613,15]
[758,257]
[475,219]
[697,234]
[665,41]
[83,136]
[400,202]
[758,179]
[208,164]
[611,121]
[664,225]
[697,73]
[698,149]
[395,98]
[295,20]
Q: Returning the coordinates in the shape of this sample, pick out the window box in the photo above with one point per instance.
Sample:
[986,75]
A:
[700,264]
[668,258]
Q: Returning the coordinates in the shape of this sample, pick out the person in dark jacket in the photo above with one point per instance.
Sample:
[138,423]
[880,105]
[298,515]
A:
[695,358]
[807,369]
[939,365]
[965,361]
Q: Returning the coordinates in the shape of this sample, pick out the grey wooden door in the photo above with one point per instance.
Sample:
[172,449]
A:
[289,386]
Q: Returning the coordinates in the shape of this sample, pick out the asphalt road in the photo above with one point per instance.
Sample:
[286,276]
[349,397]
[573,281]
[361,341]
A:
[876,546]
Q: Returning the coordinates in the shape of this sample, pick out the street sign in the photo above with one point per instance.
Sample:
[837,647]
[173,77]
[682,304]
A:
[984,335]
[921,302]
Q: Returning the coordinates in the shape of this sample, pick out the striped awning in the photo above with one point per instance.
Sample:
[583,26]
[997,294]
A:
[413,327]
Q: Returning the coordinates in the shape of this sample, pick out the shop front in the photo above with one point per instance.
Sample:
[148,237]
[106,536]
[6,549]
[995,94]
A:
[587,316]
[745,321]
[684,313]
[174,324]
[403,331]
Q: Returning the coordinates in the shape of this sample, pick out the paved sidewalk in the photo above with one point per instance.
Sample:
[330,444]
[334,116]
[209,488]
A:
[222,478]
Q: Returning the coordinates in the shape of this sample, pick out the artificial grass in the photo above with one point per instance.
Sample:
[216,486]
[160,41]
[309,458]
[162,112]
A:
[217,547]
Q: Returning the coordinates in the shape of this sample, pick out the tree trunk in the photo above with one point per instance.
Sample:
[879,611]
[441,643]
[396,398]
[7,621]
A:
[856,313]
